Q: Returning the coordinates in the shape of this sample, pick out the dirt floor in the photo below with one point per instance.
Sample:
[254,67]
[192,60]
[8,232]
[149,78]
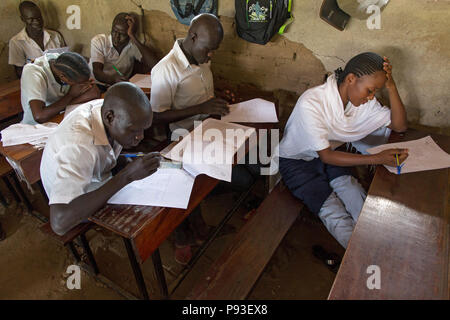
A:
[33,266]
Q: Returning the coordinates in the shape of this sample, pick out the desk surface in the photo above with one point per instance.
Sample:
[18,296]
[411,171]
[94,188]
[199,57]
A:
[404,229]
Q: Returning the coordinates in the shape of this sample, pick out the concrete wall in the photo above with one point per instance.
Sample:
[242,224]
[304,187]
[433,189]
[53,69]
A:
[414,35]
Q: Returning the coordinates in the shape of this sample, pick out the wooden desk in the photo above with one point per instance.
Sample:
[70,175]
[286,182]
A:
[10,105]
[27,157]
[404,229]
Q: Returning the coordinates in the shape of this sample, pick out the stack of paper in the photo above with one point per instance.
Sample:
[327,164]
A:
[21,133]
[424,154]
[255,110]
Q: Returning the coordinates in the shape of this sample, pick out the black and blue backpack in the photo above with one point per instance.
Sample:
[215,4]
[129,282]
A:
[259,20]
[186,10]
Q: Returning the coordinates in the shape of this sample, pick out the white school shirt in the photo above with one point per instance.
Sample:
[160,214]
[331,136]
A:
[177,84]
[319,121]
[23,49]
[38,83]
[78,158]
[103,51]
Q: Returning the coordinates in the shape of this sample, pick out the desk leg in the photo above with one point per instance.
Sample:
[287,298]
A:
[89,254]
[160,273]
[74,252]
[22,193]
[11,188]
[136,269]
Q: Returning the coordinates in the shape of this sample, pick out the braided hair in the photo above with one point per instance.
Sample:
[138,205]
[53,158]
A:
[73,65]
[363,64]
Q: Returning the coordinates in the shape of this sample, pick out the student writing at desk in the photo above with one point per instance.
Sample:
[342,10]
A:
[78,158]
[53,82]
[113,57]
[33,40]
[343,109]
[182,92]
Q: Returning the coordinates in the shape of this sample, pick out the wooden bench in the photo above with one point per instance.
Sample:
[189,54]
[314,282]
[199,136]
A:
[234,273]
[68,239]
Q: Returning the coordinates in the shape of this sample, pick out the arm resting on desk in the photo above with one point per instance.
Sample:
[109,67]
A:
[346,159]
[63,217]
[213,106]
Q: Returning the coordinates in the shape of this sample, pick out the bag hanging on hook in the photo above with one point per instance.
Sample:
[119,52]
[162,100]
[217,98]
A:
[186,10]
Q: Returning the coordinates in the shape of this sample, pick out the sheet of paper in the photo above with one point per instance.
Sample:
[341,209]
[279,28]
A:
[424,154]
[255,110]
[57,50]
[210,148]
[165,188]
[143,81]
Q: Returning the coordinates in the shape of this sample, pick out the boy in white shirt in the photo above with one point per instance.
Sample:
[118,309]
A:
[53,82]
[113,57]
[33,40]
[344,109]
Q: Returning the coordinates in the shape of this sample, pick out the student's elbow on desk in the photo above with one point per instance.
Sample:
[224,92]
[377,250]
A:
[398,128]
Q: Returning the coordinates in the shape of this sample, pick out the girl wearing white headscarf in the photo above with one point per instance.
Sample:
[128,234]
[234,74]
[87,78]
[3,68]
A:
[344,109]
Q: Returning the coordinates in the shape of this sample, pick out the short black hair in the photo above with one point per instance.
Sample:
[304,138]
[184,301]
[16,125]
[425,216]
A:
[363,64]
[73,65]
[27,4]
[120,18]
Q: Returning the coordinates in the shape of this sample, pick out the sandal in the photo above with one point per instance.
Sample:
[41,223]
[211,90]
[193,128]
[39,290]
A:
[331,260]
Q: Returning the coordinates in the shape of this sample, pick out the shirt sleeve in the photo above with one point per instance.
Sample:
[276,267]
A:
[315,131]
[33,84]
[383,113]
[74,167]
[16,54]
[163,89]
[137,53]
[60,40]
[97,50]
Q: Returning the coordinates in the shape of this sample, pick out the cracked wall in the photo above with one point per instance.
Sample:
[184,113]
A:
[414,35]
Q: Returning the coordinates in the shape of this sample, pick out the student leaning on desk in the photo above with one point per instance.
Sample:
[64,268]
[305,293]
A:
[53,82]
[113,57]
[343,109]
[78,158]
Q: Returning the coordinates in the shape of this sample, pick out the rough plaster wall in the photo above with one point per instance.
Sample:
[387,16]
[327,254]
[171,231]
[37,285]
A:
[414,35]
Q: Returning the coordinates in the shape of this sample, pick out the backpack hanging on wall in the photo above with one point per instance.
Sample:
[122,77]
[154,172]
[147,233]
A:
[186,10]
[258,20]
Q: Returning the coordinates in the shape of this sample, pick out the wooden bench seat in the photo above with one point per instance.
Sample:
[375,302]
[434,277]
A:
[234,273]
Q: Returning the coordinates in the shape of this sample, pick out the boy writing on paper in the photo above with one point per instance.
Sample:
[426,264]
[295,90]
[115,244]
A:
[78,158]
[113,57]
[51,83]
[344,109]
[33,40]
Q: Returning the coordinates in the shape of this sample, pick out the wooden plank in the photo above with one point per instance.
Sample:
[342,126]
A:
[404,229]
[234,273]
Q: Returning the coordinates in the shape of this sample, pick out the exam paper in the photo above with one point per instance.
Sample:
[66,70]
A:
[143,81]
[424,154]
[255,110]
[210,148]
[165,188]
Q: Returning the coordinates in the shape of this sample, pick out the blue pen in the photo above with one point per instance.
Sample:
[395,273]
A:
[399,167]
[132,155]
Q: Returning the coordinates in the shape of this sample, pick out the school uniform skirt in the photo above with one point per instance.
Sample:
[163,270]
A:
[309,181]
